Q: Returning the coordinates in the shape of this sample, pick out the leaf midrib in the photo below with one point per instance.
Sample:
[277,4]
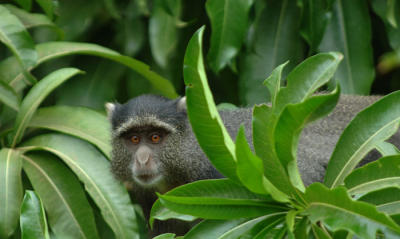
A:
[57,191]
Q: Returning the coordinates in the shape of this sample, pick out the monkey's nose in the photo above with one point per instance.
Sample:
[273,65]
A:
[144,159]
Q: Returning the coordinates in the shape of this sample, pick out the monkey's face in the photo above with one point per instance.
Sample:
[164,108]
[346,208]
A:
[145,147]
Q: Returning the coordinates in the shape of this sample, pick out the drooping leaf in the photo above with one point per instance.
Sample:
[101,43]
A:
[165,236]
[159,212]
[10,191]
[386,200]
[99,85]
[276,40]
[80,122]
[371,126]
[92,168]
[63,197]
[351,22]
[31,20]
[377,175]
[315,17]
[203,113]
[163,30]
[33,220]
[289,125]
[14,35]
[8,96]
[35,96]
[335,208]
[219,199]
[212,228]
[51,50]
[229,22]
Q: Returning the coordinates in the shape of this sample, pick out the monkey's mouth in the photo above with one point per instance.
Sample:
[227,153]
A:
[147,179]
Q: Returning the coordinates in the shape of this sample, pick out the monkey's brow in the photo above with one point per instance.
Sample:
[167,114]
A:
[144,129]
[140,122]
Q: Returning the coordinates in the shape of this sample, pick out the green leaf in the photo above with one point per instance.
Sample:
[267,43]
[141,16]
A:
[290,124]
[351,22]
[31,20]
[335,209]
[112,9]
[8,96]
[315,17]
[165,236]
[51,50]
[371,126]
[10,191]
[273,82]
[26,4]
[159,212]
[386,200]
[80,122]
[250,170]
[203,114]
[93,169]
[276,39]
[319,233]
[33,220]
[213,228]
[218,199]
[264,148]
[387,11]
[379,174]
[47,6]
[387,149]
[252,227]
[35,96]
[14,35]
[67,207]
[229,23]
[163,30]
[306,78]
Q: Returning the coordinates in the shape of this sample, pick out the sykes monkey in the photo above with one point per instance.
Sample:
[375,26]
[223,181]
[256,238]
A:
[154,148]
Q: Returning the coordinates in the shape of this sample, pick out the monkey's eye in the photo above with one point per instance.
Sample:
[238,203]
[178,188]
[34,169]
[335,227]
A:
[135,139]
[155,138]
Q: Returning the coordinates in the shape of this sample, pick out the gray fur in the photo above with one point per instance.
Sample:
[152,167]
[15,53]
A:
[180,159]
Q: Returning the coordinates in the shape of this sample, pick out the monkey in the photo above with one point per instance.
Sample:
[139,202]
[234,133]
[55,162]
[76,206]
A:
[155,150]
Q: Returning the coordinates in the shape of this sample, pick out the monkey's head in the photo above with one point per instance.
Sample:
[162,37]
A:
[146,134]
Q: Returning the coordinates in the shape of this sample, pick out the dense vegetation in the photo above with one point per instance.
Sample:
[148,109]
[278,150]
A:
[54,168]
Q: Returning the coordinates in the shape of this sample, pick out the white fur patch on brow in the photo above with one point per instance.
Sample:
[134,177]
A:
[138,122]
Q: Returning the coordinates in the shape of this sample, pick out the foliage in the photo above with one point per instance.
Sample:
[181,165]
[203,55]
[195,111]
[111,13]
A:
[274,203]
[55,137]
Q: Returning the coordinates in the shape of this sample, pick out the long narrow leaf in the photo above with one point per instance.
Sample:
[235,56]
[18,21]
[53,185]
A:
[8,96]
[350,22]
[371,126]
[380,174]
[386,200]
[92,168]
[335,209]
[229,25]
[33,220]
[14,35]
[35,96]
[290,123]
[63,197]
[51,50]
[212,228]
[218,199]
[202,112]
[10,191]
[81,122]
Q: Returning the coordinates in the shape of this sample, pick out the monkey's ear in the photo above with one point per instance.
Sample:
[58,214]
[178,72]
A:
[110,109]
[181,105]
